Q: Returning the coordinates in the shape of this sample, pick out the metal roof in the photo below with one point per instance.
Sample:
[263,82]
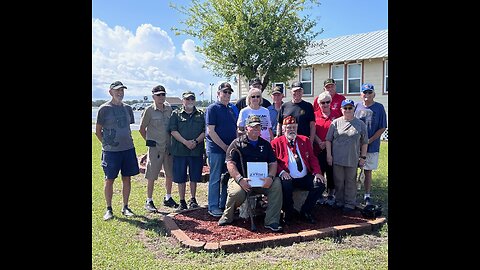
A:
[349,48]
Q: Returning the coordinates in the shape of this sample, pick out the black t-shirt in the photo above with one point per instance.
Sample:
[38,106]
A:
[262,152]
[242,103]
[303,113]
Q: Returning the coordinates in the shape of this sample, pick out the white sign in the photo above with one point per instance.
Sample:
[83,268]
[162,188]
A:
[255,171]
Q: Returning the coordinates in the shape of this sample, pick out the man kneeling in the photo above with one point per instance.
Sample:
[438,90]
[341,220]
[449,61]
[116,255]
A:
[250,147]
[298,167]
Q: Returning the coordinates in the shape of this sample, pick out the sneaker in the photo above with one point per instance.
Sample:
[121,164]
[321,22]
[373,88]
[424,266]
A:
[182,206]
[192,203]
[170,203]
[224,222]
[368,201]
[150,207]
[274,227]
[108,215]
[330,200]
[215,212]
[127,212]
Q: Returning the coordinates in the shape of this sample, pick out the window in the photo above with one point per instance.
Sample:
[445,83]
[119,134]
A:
[354,75]
[337,75]
[306,80]
[281,84]
[385,81]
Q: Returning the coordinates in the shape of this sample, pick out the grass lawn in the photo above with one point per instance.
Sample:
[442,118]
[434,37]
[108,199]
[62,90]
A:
[140,243]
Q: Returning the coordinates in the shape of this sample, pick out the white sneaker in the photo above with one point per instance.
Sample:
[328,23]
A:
[108,215]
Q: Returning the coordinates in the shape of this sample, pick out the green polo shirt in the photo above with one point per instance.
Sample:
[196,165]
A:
[189,126]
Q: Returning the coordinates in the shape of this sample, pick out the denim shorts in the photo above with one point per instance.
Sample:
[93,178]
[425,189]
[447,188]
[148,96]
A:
[124,161]
[180,164]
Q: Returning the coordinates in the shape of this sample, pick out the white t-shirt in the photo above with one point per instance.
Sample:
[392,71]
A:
[264,115]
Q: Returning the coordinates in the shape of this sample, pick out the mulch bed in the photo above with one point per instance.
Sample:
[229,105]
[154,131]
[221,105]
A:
[200,226]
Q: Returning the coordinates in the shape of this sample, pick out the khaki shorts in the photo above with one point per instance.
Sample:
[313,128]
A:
[156,158]
[371,163]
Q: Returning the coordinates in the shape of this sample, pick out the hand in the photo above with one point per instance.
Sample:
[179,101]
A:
[361,162]
[320,178]
[329,160]
[245,184]
[267,182]
[285,176]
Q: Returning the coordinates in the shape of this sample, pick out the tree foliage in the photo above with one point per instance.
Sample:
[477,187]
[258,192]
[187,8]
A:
[254,38]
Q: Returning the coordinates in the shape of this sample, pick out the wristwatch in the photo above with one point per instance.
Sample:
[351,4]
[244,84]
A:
[271,176]
[238,179]
[363,157]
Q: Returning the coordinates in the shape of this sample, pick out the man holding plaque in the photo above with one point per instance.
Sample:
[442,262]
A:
[297,168]
[248,148]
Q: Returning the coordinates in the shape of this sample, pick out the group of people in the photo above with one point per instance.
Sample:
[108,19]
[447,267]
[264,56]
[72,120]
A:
[316,148]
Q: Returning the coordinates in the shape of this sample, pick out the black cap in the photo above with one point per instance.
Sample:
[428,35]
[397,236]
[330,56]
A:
[296,85]
[255,81]
[225,86]
[158,89]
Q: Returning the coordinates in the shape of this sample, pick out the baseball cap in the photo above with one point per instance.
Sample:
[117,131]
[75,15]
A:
[188,94]
[117,85]
[158,89]
[277,89]
[296,85]
[289,120]
[328,81]
[255,81]
[225,86]
[367,87]
[253,120]
[346,102]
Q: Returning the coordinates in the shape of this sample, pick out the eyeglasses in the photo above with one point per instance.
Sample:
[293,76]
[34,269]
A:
[190,98]
[325,102]
[256,96]
[368,92]
[227,92]
[348,108]
[159,95]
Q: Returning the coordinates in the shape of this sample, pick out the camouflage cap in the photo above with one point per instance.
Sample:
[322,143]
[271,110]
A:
[188,94]
[253,120]
[328,81]
[117,85]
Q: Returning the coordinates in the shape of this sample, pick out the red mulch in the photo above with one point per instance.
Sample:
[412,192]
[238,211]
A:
[200,226]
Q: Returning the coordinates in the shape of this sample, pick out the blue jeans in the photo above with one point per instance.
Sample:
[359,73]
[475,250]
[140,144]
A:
[217,192]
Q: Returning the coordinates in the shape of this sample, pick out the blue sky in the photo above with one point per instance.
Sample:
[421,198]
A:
[132,42]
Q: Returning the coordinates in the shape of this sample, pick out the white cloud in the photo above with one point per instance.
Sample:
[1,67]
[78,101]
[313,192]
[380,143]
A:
[142,60]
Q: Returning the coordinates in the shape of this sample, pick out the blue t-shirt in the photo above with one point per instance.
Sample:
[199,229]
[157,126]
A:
[375,118]
[225,123]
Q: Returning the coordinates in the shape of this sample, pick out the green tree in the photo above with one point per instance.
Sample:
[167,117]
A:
[254,38]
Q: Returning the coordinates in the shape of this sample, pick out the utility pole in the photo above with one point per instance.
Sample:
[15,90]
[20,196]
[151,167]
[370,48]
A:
[211,99]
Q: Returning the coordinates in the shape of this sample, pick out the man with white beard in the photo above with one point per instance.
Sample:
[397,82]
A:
[298,167]
[187,126]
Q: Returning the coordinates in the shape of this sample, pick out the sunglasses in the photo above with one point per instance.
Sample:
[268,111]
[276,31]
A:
[227,92]
[190,98]
[368,92]
[159,95]
[348,108]
[325,102]
[256,96]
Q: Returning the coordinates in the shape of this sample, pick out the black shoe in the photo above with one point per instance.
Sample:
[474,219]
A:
[170,203]
[150,207]
[274,227]
[291,215]
[308,218]
[182,206]
[192,203]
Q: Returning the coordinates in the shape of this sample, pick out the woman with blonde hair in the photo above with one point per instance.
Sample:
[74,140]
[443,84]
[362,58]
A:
[254,99]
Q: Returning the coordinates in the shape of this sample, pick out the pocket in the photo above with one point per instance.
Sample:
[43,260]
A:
[151,143]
